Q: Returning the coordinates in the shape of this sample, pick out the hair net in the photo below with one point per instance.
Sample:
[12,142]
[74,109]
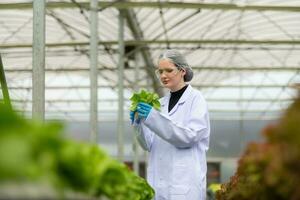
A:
[179,61]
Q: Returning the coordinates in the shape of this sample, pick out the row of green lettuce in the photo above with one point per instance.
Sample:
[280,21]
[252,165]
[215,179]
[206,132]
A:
[31,151]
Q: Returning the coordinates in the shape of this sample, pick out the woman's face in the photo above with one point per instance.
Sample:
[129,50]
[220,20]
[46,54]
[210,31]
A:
[170,76]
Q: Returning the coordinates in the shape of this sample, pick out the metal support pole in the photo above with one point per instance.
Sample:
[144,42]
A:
[93,71]
[241,124]
[135,142]
[121,87]
[4,85]
[38,60]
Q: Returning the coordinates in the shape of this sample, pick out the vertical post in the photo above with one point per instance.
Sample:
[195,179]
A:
[135,142]
[241,121]
[121,87]
[4,85]
[38,60]
[93,70]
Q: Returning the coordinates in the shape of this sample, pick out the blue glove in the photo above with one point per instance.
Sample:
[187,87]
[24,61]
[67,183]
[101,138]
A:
[131,114]
[143,110]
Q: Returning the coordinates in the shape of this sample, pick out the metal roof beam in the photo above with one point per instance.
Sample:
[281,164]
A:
[145,4]
[151,42]
[144,86]
[137,32]
[195,68]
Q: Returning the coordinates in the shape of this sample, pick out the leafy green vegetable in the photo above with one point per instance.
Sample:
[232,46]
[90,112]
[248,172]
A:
[32,151]
[146,97]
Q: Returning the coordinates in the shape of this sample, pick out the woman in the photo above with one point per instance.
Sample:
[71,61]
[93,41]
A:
[177,138]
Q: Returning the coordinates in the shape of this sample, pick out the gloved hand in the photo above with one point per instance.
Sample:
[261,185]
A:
[131,114]
[143,110]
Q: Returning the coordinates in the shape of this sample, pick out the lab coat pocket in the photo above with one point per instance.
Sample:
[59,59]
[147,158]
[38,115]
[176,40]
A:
[179,192]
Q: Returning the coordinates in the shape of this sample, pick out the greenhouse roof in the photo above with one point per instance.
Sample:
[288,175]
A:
[245,54]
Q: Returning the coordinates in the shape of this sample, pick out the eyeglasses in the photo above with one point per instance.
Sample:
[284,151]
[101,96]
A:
[170,72]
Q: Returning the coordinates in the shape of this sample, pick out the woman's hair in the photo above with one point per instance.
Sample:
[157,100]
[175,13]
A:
[179,61]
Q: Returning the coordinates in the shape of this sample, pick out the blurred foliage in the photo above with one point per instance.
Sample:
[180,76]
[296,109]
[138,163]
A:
[270,170]
[211,191]
[31,151]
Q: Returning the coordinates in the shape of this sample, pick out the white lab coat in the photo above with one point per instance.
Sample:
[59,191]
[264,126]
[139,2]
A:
[177,142]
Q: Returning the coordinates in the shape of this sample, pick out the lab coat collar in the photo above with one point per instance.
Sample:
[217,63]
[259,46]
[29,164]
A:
[183,98]
[185,94]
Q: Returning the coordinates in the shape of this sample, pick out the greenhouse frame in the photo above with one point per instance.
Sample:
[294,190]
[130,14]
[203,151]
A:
[80,61]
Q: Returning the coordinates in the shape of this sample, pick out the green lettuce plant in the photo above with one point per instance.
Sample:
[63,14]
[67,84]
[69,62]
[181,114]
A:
[146,97]
[32,151]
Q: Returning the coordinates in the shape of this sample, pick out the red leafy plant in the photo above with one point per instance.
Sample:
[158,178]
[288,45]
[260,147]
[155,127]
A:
[269,170]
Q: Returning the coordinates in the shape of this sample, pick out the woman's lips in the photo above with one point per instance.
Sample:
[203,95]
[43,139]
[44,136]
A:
[165,82]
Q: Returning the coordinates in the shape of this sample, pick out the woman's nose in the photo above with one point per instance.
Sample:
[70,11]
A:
[162,75]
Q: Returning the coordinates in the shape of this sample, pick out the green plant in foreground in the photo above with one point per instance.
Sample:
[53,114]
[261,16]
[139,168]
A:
[32,151]
[146,97]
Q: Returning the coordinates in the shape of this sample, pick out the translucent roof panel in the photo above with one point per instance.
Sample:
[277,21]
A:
[245,54]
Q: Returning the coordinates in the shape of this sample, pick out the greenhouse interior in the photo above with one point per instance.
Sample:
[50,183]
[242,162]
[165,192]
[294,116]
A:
[70,70]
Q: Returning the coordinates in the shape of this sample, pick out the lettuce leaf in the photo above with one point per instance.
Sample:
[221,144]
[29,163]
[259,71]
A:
[146,97]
